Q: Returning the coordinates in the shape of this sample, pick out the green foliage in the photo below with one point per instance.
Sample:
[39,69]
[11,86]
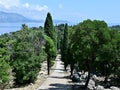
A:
[6,75]
[49,29]
[50,51]
[26,59]
[50,47]
[60,31]
[116,27]
[95,47]
[26,65]
[25,53]
[24,27]
[51,40]
[48,26]
[91,45]
[64,46]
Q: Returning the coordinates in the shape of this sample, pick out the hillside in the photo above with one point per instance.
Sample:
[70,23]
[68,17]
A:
[12,17]
[6,17]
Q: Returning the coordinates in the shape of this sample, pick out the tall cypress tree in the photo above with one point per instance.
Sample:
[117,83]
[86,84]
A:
[65,46]
[50,32]
[48,26]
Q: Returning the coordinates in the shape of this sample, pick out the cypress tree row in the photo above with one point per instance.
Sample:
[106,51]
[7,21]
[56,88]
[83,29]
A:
[91,46]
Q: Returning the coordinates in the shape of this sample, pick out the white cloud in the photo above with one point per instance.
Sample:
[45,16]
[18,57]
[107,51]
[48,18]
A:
[27,9]
[26,5]
[60,6]
[10,4]
[7,4]
[41,8]
[33,11]
[35,7]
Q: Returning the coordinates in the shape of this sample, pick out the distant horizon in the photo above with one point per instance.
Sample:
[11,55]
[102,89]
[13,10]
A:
[13,27]
[73,22]
[55,20]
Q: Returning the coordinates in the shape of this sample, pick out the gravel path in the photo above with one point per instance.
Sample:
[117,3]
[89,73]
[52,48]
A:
[58,79]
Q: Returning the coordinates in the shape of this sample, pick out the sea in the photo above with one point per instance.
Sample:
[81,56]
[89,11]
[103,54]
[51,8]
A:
[12,27]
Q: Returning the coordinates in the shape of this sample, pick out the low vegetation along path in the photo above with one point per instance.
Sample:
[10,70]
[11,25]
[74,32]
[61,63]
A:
[58,79]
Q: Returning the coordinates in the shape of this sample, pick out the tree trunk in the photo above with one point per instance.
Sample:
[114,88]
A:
[65,66]
[86,84]
[48,65]
[72,68]
[2,88]
[106,79]
[107,73]
[107,84]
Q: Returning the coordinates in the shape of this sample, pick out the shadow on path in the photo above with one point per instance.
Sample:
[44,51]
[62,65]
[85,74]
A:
[57,77]
[60,86]
[58,69]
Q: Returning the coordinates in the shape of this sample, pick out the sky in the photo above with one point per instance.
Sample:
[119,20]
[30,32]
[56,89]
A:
[71,10]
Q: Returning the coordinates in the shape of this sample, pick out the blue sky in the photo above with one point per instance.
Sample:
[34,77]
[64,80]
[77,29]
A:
[71,10]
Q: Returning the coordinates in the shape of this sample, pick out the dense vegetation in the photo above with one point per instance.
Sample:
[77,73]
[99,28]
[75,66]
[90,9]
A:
[23,52]
[91,46]
[94,47]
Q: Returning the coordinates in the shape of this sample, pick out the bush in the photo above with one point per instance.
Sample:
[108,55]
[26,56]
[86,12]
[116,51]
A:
[6,75]
[26,66]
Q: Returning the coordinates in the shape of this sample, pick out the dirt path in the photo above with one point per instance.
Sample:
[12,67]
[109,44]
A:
[58,79]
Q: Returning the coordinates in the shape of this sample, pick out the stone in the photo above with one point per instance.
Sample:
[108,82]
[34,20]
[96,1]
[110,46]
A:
[114,88]
[31,83]
[75,77]
[94,77]
[100,88]
[91,84]
[84,76]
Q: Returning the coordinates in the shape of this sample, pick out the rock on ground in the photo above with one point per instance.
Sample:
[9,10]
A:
[114,88]
[91,84]
[99,87]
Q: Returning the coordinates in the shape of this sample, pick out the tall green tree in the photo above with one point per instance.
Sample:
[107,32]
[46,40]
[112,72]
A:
[50,32]
[48,27]
[109,55]
[64,48]
[87,41]
[60,31]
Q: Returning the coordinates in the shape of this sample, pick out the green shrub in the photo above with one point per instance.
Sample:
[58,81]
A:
[6,76]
